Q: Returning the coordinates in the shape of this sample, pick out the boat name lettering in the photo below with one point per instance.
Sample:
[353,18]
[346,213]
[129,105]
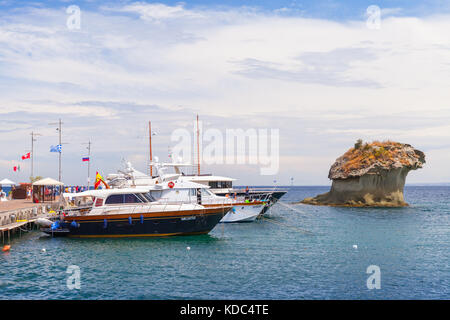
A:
[188,218]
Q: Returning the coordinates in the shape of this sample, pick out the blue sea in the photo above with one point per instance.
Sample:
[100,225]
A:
[295,252]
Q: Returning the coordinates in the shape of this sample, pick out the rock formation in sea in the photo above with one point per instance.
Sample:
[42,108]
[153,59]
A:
[371,174]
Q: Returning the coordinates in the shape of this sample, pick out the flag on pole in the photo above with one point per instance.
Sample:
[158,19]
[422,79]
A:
[86,159]
[98,180]
[16,168]
[27,156]
[57,148]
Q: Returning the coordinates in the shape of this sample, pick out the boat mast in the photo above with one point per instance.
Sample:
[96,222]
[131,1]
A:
[198,149]
[150,144]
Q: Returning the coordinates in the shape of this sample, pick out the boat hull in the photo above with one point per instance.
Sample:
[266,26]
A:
[275,196]
[141,225]
[242,213]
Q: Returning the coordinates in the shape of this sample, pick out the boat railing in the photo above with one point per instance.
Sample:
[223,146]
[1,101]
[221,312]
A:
[259,189]
[251,197]
[132,209]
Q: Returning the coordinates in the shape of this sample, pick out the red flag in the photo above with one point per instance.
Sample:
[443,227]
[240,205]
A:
[27,156]
[15,168]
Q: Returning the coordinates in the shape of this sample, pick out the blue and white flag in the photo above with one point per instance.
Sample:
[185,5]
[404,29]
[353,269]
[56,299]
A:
[57,148]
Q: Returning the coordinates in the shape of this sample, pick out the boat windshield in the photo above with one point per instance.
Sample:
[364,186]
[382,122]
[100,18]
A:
[207,192]
[78,202]
[126,198]
[148,196]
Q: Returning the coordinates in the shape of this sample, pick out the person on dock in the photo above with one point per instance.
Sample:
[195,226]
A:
[2,195]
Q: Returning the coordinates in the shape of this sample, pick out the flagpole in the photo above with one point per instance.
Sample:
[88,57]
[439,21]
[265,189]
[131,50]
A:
[198,148]
[150,145]
[59,123]
[60,153]
[32,151]
[89,162]
[32,154]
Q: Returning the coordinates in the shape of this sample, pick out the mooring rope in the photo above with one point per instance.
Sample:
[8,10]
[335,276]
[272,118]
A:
[289,226]
[293,209]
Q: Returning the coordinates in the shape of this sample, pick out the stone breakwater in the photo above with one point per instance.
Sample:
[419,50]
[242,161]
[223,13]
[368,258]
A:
[371,174]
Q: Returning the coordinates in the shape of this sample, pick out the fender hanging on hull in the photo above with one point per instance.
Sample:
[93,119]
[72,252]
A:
[141,226]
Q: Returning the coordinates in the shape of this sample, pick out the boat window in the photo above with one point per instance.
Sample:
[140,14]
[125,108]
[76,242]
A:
[219,184]
[123,198]
[114,199]
[214,184]
[131,198]
[148,196]
[205,192]
[98,202]
[141,197]
[155,194]
[193,192]
[83,201]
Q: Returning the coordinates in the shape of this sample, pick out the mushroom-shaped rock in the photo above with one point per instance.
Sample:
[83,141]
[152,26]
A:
[370,174]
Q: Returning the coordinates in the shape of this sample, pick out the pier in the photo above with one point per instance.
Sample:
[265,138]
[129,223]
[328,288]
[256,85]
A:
[17,216]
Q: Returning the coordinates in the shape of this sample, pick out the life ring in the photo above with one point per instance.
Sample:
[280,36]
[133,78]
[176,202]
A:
[171,184]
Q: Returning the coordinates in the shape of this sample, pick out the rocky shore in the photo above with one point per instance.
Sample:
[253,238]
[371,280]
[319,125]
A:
[370,174]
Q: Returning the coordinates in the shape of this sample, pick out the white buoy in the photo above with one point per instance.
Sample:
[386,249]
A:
[43,250]
[188,248]
[355,246]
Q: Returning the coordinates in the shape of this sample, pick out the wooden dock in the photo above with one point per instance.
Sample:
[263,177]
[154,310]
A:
[18,216]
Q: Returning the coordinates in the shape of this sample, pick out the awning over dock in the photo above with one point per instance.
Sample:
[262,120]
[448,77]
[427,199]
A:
[45,190]
[47,182]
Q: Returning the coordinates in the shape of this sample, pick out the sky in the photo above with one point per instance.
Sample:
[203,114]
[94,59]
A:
[318,71]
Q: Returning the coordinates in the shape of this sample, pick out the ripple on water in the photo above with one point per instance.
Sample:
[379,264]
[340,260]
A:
[269,259]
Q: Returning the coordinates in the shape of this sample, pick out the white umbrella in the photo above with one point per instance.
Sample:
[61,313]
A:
[7,182]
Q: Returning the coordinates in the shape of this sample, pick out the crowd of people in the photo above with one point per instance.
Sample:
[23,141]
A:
[75,189]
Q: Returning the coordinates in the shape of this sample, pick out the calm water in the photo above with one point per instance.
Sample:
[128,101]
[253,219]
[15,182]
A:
[306,254]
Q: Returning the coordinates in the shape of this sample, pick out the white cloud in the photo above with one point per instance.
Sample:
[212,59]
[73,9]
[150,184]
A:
[390,11]
[158,11]
[332,81]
